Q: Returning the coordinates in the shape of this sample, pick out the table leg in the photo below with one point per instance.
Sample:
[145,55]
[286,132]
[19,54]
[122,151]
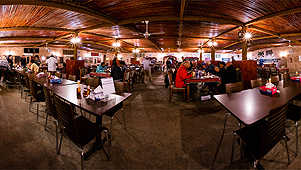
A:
[98,145]
[187,87]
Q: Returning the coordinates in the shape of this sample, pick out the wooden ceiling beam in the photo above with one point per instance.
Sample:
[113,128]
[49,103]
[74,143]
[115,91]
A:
[226,32]
[275,14]
[23,38]
[66,6]
[54,39]
[94,27]
[263,30]
[185,18]
[35,29]
[181,21]
[94,34]
[231,45]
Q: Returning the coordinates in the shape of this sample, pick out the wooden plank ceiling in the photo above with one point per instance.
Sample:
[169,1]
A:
[185,25]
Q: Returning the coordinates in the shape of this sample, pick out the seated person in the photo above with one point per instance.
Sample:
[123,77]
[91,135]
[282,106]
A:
[33,67]
[101,67]
[182,74]
[227,74]
[116,72]
[210,67]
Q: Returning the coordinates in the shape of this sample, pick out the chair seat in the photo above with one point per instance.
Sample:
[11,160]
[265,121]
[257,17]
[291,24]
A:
[293,112]
[177,88]
[252,137]
[86,130]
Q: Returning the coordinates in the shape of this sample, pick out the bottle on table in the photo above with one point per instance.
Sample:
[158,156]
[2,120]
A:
[88,90]
[78,87]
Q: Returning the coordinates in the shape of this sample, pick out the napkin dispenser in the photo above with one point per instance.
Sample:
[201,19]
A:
[295,79]
[56,80]
[269,88]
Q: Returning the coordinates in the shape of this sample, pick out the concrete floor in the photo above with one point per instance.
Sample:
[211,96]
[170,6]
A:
[159,135]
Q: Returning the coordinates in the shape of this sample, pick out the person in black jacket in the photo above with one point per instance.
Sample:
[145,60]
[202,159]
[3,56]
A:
[23,61]
[227,75]
[116,72]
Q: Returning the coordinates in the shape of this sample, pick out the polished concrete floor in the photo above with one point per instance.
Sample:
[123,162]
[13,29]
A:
[159,135]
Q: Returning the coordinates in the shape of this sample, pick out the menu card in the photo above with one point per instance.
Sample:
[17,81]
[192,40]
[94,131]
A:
[108,85]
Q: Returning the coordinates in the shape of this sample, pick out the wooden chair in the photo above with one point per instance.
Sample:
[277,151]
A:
[82,72]
[262,138]
[273,71]
[286,75]
[80,130]
[119,87]
[274,79]
[58,74]
[38,96]
[256,83]
[234,87]
[126,80]
[92,81]
[172,88]
[72,77]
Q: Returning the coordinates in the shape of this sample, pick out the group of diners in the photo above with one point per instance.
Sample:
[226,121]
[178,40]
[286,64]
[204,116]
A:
[117,71]
[226,71]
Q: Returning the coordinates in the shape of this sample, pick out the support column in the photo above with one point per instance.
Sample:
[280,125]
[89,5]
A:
[75,47]
[135,58]
[212,53]
[244,45]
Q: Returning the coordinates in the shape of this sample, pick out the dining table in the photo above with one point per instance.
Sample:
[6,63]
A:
[250,106]
[201,79]
[104,74]
[97,108]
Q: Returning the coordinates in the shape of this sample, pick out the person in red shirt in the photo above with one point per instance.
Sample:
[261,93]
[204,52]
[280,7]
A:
[182,74]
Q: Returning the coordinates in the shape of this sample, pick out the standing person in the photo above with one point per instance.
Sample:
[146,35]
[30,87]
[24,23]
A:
[147,69]
[10,60]
[37,60]
[116,72]
[51,62]
[168,63]
[23,61]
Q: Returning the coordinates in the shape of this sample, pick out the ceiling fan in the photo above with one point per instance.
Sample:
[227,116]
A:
[147,34]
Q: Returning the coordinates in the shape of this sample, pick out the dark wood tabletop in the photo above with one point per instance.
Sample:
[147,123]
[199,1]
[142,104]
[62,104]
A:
[96,108]
[250,106]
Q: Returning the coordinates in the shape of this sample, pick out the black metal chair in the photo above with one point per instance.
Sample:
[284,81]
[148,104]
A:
[294,114]
[50,111]
[256,83]
[37,95]
[260,139]
[79,130]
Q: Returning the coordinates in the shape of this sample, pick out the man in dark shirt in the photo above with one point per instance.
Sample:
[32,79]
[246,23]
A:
[10,60]
[116,72]
[23,61]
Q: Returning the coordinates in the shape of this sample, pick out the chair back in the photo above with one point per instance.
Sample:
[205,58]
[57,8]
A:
[132,73]
[49,103]
[32,89]
[66,117]
[92,81]
[238,75]
[72,77]
[275,129]
[274,79]
[26,81]
[58,74]
[83,71]
[126,75]
[169,78]
[119,87]
[256,83]
[286,75]
[234,87]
